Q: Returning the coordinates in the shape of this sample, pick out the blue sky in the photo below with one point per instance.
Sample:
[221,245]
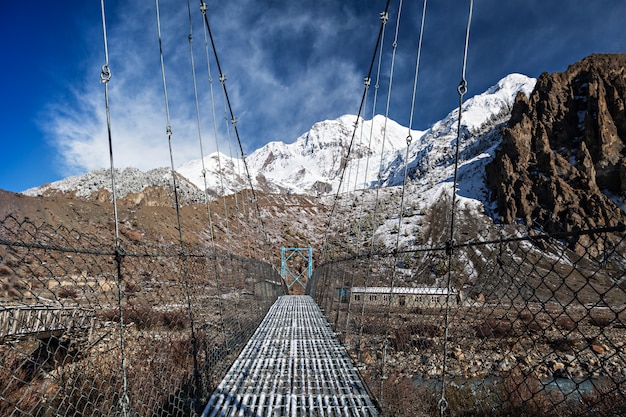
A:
[288,65]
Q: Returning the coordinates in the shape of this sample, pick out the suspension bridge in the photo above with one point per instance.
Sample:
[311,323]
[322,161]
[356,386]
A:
[198,327]
[292,365]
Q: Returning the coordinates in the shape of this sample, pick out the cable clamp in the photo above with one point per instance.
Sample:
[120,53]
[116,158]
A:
[168,131]
[384,16]
[409,139]
[222,78]
[120,253]
[203,7]
[105,74]
[234,121]
[443,405]
[368,81]
[462,89]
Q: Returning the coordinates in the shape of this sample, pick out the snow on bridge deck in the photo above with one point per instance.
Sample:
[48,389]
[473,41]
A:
[292,366]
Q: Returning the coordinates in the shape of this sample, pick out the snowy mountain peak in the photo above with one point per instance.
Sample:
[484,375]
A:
[431,157]
[513,83]
[370,150]
[483,109]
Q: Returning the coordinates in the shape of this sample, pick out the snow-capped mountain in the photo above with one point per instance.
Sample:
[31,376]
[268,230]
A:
[371,150]
[433,153]
[312,164]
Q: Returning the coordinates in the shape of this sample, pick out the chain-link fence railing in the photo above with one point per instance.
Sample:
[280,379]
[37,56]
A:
[525,324]
[91,328]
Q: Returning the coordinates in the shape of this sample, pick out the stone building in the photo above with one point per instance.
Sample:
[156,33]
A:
[404,296]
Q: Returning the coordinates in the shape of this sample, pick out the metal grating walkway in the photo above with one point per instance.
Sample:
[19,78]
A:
[292,366]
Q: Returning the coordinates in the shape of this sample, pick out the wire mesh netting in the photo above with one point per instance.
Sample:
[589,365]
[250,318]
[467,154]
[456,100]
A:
[504,320]
[89,328]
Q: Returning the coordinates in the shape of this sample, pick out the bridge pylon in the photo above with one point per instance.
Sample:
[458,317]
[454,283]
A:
[296,267]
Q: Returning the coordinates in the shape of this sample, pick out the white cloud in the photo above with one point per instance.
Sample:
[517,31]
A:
[276,94]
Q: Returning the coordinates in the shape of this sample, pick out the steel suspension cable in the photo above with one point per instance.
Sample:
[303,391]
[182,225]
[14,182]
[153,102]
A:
[361,121]
[357,237]
[204,172]
[417,65]
[349,165]
[384,18]
[347,201]
[326,298]
[105,77]
[168,131]
[230,154]
[462,90]
[203,8]
[387,105]
[377,52]
[379,184]
[379,39]
[379,42]
[220,173]
[405,173]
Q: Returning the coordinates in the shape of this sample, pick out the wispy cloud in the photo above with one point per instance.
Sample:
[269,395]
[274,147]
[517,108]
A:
[290,64]
[280,76]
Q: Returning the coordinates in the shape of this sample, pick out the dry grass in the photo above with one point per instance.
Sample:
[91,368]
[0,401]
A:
[145,317]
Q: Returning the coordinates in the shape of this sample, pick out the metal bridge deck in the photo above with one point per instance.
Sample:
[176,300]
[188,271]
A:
[292,366]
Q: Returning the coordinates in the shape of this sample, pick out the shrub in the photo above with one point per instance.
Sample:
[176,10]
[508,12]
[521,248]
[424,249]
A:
[65,292]
[110,314]
[493,326]
[601,319]
[174,319]
[141,315]
[426,329]
[402,339]
[565,323]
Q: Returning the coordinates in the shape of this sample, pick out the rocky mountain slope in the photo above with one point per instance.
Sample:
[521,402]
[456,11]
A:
[562,163]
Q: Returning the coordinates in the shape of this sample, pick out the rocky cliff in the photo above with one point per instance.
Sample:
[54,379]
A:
[562,162]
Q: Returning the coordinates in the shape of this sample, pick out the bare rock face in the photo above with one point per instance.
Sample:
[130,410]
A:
[564,150]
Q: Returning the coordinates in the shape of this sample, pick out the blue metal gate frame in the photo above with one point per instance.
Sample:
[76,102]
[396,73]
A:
[285,255]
